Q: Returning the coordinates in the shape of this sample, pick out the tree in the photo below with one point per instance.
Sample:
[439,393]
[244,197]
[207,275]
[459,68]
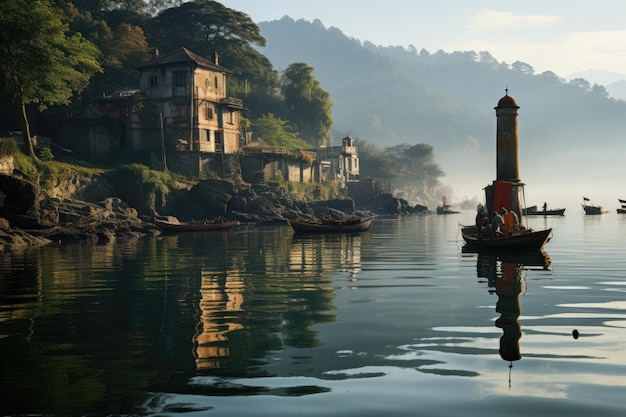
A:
[308,106]
[376,163]
[276,132]
[40,62]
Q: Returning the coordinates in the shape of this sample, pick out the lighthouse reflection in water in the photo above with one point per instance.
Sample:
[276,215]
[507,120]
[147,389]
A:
[506,277]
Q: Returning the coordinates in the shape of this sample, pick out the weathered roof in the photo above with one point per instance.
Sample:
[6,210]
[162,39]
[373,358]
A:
[179,56]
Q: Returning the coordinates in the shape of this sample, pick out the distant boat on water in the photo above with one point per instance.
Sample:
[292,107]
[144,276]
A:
[532,211]
[622,209]
[591,209]
[445,208]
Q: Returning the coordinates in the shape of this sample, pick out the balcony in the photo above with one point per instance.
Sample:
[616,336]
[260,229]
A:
[233,103]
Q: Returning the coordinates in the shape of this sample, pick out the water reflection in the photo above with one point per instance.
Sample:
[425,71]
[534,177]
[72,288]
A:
[312,253]
[230,298]
[506,277]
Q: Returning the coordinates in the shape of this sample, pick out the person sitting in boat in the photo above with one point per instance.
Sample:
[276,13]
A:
[496,224]
[510,221]
[482,222]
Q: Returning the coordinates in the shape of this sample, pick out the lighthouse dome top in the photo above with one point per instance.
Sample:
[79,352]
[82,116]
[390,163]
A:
[507,101]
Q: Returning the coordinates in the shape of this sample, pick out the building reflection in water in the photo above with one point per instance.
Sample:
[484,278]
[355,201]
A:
[327,252]
[222,292]
[506,277]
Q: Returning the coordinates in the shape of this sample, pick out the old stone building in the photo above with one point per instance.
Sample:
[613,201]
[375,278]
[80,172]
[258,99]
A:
[198,124]
[180,117]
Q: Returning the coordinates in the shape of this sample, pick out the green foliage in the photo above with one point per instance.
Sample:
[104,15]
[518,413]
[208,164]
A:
[41,62]
[308,106]
[375,163]
[143,187]
[49,173]
[46,154]
[276,132]
[8,147]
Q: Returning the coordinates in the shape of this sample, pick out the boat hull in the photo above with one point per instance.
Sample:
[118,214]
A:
[180,227]
[525,239]
[308,226]
[593,210]
[532,211]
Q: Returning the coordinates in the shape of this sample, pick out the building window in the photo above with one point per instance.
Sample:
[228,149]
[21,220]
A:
[207,135]
[216,84]
[154,80]
[180,78]
[208,113]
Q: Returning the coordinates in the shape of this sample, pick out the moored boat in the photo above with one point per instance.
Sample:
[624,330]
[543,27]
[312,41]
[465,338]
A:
[591,209]
[173,225]
[532,211]
[622,209]
[522,239]
[352,224]
[445,208]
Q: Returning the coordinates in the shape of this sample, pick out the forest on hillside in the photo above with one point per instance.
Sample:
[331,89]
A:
[570,131]
[395,94]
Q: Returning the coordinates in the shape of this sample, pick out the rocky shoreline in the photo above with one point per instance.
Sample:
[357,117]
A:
[30,217]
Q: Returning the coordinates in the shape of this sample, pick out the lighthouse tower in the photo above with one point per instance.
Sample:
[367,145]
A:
[507,190]
[506,139]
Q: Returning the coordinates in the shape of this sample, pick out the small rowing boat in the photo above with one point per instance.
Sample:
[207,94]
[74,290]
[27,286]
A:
[352,224]
[521,239]
[173,225]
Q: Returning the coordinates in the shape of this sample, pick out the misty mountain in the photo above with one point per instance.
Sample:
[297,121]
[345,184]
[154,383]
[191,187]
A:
[393,95]
[614,82]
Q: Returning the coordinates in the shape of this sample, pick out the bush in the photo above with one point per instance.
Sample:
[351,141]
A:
[46,154]
[8,147]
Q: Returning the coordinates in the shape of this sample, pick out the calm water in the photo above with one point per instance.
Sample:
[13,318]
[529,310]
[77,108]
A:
[257,322]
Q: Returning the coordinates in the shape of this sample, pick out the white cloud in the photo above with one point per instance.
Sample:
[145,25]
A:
[497,20]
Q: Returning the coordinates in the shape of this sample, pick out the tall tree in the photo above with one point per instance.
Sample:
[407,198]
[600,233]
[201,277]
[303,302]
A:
[308,104]
[40,61]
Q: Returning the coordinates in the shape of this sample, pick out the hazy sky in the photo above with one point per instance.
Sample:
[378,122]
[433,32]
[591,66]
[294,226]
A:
[562,36]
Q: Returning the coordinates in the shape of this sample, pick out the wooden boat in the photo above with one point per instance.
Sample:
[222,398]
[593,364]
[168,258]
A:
[173,225]
[591,209]
[532,211]
[355,224]
[445,208]
[622,209]
[522,239]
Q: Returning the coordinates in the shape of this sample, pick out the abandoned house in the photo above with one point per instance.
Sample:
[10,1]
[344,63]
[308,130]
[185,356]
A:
[182,119]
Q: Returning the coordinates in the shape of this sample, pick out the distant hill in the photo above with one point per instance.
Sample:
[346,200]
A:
[393,95]
[614,82]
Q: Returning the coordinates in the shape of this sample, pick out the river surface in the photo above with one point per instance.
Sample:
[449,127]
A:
[397,321]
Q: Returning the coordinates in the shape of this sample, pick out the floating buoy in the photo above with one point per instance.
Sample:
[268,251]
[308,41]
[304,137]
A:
[575,334]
